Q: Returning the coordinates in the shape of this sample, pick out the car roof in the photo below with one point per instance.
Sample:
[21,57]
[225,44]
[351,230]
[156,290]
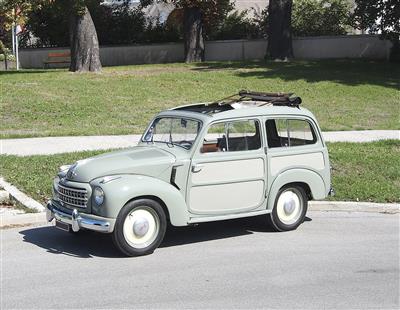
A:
[238,112]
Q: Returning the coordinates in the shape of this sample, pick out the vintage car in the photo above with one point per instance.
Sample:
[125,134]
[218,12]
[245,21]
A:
[253,154]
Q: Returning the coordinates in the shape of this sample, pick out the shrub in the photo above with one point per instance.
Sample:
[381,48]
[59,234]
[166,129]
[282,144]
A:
[236,25]
[320,17]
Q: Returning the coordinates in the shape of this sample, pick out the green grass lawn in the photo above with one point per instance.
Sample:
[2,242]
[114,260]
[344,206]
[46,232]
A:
[363,171]
[344,94]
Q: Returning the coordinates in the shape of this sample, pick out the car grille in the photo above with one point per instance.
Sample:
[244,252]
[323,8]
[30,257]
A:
[76,197]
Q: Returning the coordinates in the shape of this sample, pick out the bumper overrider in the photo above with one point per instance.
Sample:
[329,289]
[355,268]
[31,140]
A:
[78,220]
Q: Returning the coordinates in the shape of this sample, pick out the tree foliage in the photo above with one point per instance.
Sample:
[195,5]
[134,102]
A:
[320,17]
[115,24]
[378,16]
[82,32]
[383,17]
[237,25]
[197,18]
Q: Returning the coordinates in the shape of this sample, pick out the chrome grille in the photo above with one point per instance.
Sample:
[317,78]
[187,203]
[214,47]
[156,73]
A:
[76,197]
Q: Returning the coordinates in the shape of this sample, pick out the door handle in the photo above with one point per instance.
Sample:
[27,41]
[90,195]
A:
[197,168]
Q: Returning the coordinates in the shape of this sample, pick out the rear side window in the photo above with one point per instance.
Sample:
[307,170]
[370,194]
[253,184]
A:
[289,133]
[232,136]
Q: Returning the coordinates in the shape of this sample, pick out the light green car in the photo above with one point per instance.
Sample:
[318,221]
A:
[256,154]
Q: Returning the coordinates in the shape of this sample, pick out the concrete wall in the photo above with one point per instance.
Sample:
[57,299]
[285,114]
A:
[351,46]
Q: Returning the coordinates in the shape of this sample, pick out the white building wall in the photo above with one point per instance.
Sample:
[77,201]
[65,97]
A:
[350,46]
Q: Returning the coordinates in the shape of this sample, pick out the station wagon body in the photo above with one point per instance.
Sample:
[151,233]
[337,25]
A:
[198,164]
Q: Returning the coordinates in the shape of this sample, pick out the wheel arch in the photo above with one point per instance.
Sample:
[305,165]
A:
[155,198]
[312,183]
[132,187]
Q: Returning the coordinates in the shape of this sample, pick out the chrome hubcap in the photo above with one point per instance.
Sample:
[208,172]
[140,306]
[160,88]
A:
[289,206]
[141,227]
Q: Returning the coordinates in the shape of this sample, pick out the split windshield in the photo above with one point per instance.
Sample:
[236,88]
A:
[173,131]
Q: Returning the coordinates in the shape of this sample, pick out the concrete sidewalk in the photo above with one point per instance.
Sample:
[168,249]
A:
[55,145]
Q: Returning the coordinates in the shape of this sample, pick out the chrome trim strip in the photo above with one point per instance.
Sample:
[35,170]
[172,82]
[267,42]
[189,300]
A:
[73,189]
[195,220]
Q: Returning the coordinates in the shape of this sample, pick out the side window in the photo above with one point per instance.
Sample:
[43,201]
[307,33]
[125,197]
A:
[232,136]
[215,139]
[289,133]
[300,132]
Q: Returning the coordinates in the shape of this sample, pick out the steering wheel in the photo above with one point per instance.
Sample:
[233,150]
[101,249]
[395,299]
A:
[185,143]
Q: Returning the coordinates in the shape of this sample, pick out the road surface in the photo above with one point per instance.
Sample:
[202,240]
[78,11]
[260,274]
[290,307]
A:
[334,260]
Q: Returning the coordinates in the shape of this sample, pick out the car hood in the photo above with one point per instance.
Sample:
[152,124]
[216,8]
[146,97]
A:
[145,160]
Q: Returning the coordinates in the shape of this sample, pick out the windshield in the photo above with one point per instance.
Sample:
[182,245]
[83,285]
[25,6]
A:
[173,131]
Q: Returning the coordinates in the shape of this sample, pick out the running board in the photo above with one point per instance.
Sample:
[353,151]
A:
[195,220]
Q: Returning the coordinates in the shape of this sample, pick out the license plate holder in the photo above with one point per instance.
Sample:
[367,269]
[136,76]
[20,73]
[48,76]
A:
[63,226]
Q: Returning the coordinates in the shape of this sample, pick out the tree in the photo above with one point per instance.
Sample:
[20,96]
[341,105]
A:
[197,16]
[380,16]
[85,51]
[320,17]
[85,54]
[279,29]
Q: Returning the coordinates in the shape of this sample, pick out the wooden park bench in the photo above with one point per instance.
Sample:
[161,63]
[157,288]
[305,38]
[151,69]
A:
[57,58]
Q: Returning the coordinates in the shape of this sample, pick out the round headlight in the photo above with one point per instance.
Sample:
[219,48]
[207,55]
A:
[98,196]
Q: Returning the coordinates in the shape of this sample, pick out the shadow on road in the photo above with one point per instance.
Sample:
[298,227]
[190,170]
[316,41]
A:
[87,244]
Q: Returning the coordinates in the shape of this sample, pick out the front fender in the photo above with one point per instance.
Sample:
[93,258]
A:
[311,178]
[127,187]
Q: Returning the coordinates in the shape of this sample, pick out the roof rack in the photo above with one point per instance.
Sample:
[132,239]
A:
[280,99]
[284,99]
[243,97]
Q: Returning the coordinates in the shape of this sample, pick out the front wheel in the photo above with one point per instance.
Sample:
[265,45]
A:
[289,210]
[140,227]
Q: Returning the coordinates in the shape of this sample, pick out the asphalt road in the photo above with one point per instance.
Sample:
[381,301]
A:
[334,260]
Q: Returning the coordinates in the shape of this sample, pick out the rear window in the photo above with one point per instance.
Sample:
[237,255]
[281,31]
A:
[289,133]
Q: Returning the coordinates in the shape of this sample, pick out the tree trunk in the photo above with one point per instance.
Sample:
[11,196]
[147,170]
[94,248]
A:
[85,53]
[193,34]
[279,29]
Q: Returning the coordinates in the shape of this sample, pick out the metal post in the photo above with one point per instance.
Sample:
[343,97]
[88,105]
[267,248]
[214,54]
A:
[13,31]
[13,38]
[16,51]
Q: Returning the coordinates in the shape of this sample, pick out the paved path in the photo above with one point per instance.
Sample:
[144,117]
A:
[334,260]
[54,145]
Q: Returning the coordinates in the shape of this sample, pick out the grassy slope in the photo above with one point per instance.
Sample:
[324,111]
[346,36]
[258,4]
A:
[367,171]
[343,94]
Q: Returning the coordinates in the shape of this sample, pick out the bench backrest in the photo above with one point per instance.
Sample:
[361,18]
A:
[66,54]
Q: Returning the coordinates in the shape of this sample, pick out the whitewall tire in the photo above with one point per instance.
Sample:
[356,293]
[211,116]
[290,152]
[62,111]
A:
[140,227]
[290,208]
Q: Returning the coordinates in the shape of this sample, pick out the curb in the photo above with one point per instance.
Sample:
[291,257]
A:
[20,220]
[354,206]
[25,200]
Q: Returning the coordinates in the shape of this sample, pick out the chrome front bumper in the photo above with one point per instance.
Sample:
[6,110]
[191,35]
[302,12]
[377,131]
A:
[80,220]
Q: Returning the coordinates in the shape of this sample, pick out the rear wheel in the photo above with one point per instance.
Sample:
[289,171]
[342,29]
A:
[140,227]
[290,208]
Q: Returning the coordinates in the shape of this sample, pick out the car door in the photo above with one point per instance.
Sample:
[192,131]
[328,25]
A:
[228,171]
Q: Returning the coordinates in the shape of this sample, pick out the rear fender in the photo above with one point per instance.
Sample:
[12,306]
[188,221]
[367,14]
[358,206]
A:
[309,177]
